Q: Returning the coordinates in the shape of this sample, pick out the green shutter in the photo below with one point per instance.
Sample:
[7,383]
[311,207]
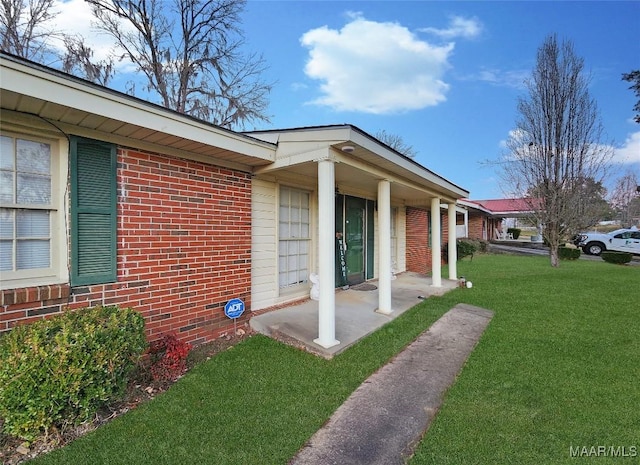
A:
[93,212]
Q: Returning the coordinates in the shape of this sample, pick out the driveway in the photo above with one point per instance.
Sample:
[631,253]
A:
[521,249]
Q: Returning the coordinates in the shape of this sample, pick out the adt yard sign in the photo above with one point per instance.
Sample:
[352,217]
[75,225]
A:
[234,308]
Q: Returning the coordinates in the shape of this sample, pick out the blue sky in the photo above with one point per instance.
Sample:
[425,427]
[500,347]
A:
[443,75]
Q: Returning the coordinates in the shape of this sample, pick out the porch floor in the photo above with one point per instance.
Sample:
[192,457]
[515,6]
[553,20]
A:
[355,315]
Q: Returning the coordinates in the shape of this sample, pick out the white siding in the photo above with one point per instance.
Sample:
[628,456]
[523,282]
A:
[401,233]
[265,291]
[264,253]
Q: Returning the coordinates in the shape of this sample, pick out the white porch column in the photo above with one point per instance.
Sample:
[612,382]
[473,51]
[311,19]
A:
[466,222]
[326,254]
[453,249]
[436,266]
[384,241]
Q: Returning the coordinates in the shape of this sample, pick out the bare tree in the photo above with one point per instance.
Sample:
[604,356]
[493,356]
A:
[625,198]
[397,143]
[634,78]
[28,31]
[556,149]
[190,54]
[26,27]
[78,60]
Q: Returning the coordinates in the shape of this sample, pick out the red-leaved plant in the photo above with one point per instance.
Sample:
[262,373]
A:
[169,358]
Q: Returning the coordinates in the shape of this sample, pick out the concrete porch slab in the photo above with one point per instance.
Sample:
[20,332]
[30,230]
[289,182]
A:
[355,314]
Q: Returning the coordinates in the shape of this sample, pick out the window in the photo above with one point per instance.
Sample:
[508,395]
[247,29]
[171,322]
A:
[27,210]
[294,237]
[93,212]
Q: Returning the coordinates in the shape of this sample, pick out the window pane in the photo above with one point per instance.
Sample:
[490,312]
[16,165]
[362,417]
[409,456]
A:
[6,223]
[6,255]
[304,230]
[32,254]
[293,262]
[295,199]
[6,153]
[284,196]
[295,215]
[6,186]
[32,223]
[304,247]
[34,157]
[284,231]
[34,189]
[284,213]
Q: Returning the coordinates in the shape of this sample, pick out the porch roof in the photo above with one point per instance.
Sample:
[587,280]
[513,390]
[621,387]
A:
[361,161]
[509,208]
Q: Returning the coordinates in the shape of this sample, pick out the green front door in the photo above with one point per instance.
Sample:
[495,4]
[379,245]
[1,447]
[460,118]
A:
[355,238]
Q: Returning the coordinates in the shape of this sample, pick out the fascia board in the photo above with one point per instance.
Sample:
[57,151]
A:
[406,164]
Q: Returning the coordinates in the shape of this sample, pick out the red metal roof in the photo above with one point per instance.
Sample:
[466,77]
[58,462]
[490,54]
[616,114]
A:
[497,206]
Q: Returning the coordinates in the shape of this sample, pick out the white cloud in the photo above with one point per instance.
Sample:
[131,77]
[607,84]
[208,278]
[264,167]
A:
[467,28]
[513,78]
[630,151]
[375,67]
[75,18]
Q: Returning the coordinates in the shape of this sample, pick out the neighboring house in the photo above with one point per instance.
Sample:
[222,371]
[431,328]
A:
[487,218]
[107,199]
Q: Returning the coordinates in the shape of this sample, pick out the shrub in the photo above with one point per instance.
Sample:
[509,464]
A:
[514,231]
[62,370]
[464,248]
[568,253]
[482,245]
[619,258]
[168,358]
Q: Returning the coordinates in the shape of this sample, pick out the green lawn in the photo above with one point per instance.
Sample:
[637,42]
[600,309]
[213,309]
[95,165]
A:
[559,366]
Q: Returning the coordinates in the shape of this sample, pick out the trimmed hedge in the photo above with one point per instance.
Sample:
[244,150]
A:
[619,258]
[514,231]
[464,248]
[568,253]
[62,370]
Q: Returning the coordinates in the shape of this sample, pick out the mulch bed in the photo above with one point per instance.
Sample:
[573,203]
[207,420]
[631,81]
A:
[141,388]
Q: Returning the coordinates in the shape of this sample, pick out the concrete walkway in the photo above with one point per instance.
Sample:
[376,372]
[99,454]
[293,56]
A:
[385,418]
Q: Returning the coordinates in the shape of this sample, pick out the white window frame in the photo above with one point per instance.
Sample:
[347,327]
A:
[57,271]
[303,280]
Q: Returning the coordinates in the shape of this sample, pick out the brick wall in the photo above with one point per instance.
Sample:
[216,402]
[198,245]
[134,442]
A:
[419,250]
[475,226]
[184,250]
[418,255]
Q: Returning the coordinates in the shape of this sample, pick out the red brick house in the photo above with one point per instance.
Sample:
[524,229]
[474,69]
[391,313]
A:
[486,217]
[107,199]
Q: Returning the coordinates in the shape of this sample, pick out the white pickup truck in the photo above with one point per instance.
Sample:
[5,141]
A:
[621,240]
